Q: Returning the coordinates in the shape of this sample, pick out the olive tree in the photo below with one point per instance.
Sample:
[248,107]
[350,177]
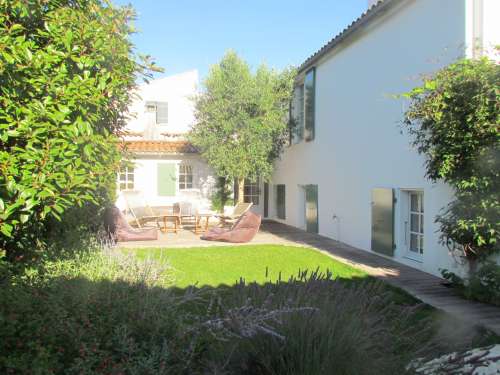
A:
[242,118]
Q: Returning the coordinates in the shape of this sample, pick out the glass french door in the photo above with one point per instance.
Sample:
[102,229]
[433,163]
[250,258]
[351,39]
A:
[415,231]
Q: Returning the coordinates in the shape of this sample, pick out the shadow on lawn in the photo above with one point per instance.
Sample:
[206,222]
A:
[311,324]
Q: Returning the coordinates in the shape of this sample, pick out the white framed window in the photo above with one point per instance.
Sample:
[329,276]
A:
[185,177]
[126,178]
[251,192]
[161,111]
[411,234]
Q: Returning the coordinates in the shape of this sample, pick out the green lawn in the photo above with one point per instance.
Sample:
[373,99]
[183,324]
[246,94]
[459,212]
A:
[220,265]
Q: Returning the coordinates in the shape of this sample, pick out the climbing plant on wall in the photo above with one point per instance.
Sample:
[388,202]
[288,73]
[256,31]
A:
[454,120]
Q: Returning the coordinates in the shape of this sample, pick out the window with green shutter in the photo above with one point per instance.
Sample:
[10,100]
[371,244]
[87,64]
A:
[160,109]
[166,179]
[280,202]
[309,104]
[161,113]
[383,221]
[311,192]
[297,115]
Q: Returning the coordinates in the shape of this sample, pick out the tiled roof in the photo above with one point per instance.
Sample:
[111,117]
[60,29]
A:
[160,147]
[375,10]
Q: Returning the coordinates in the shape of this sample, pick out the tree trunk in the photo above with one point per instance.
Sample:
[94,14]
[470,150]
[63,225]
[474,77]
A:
[241,190]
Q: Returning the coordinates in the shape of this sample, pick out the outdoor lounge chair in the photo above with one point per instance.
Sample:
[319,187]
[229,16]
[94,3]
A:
[120,230]
[141,212]
[243,230]
[237,212]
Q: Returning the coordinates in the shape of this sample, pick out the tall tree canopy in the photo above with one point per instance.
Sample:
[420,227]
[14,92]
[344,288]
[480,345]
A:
[67,73]
[241,118]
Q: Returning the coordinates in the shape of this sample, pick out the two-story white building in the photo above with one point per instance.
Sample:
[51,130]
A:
[165,165]
[350,173]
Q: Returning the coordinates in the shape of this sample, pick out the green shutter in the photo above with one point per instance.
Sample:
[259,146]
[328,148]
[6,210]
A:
[383,221]
[312,208]
[161,112]
[166,180]
[280,202]
[309,103]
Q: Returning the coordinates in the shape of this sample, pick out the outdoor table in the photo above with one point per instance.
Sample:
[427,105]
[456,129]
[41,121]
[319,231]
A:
[175,218]
[167,214]
[198,225]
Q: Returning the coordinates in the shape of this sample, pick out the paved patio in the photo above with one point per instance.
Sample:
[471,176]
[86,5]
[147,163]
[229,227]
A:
[424,286]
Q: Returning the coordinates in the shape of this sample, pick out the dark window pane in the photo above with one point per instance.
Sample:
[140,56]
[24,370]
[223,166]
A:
[309,103]
[414,202]
[414,243]
[414,221]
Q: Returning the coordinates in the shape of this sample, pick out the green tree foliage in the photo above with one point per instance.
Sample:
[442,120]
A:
[241,118]
[454,119]
[67,70]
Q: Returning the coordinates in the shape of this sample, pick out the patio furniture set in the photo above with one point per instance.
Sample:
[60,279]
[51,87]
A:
[243,223]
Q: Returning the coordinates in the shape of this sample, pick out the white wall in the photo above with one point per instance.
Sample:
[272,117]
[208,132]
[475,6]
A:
[177,90]
[491,28]
[358,145]
[145,178]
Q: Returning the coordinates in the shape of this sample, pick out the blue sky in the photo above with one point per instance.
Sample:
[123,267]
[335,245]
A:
[194,34]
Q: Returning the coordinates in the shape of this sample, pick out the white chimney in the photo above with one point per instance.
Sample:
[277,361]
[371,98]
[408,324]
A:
[372,3]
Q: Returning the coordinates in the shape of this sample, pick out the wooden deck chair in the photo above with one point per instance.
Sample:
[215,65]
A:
[238,211]
[141,212]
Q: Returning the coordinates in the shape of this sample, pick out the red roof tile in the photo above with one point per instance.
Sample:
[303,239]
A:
[160,147]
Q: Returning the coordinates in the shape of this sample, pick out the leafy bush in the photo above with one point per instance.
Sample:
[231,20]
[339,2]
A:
[482,286]
[107,313]
[67,70]
[454,119]
[221,195]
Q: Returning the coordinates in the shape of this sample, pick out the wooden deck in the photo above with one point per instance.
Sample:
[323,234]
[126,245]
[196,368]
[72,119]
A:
[426,287]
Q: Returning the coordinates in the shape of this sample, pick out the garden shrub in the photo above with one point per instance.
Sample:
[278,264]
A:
[67,74]
[482,286]
[454,119]
[107,313]
[221,195]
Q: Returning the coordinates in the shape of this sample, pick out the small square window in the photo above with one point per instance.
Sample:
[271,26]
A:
[126,178]
[185,177]
[251,192]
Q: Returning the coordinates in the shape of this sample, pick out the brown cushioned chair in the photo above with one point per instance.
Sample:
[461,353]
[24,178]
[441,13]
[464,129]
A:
[120,230]
[243,230]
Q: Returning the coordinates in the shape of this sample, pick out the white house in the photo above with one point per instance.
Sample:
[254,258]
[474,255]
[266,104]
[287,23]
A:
[350,174]
[165,166]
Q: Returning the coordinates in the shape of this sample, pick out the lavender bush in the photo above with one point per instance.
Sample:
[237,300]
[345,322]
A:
[103,312]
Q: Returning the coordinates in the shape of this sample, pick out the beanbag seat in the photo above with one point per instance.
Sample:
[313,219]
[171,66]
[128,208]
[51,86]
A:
[120,230]
[244,230]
